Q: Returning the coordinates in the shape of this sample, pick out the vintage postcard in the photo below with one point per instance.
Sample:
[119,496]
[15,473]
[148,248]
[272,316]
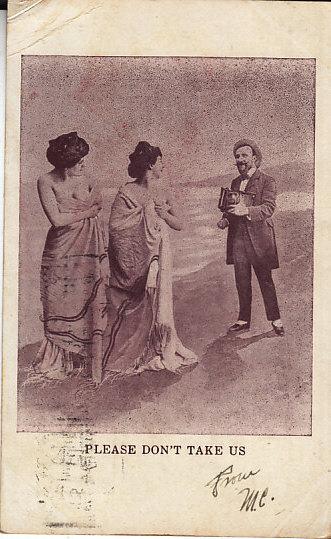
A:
[166,299]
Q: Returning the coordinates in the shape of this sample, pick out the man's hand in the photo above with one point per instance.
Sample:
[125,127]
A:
[223,223]
[240,210]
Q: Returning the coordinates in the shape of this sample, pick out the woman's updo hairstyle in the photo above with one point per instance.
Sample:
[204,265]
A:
[66,150]
[142,158]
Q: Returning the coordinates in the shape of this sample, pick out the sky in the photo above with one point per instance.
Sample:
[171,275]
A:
[195,109]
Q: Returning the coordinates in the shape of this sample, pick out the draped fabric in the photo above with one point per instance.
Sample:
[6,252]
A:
[74,270]
[140,333]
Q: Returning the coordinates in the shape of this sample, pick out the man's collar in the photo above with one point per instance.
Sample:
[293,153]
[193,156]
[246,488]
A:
[249,174]
[255,174]
[251,171]
[251,180]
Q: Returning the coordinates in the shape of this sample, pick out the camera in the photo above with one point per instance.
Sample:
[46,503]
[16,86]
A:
[230,198]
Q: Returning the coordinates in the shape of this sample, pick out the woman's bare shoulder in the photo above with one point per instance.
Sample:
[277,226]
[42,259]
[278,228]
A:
[45,179]
[129,189]
[128,186]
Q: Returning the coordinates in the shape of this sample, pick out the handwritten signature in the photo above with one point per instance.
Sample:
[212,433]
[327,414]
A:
[253,499]
[226,478]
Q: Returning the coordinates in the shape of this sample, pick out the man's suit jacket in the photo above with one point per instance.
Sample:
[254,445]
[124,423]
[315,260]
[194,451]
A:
[260,226]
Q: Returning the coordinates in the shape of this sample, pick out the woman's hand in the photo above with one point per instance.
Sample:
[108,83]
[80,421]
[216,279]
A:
[96,196]
[95,209]
[50,206]
[166,209]
[162,209]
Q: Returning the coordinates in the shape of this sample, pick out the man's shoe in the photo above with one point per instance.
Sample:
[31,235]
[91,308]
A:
[279,330]
[236,328]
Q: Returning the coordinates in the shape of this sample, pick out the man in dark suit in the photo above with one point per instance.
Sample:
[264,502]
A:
[251,237]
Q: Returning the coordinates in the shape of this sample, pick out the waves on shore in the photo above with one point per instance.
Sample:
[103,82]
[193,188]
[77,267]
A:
[201,241]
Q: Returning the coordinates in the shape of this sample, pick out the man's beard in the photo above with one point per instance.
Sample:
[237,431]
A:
[243,168]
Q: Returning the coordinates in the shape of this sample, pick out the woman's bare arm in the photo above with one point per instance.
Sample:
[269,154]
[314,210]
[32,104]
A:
[95,192]
[169,211]
[174,214]
[49,204]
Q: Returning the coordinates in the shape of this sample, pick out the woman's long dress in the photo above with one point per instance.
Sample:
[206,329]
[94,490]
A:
[141,333]
[74,271]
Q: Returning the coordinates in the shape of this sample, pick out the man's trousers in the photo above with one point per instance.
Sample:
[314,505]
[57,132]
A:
[244,260]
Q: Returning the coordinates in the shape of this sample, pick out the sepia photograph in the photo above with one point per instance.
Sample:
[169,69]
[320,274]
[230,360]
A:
[165,299]
[166,245]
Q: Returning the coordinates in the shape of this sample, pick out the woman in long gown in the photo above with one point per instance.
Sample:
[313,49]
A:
[74,267]
[141,333]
